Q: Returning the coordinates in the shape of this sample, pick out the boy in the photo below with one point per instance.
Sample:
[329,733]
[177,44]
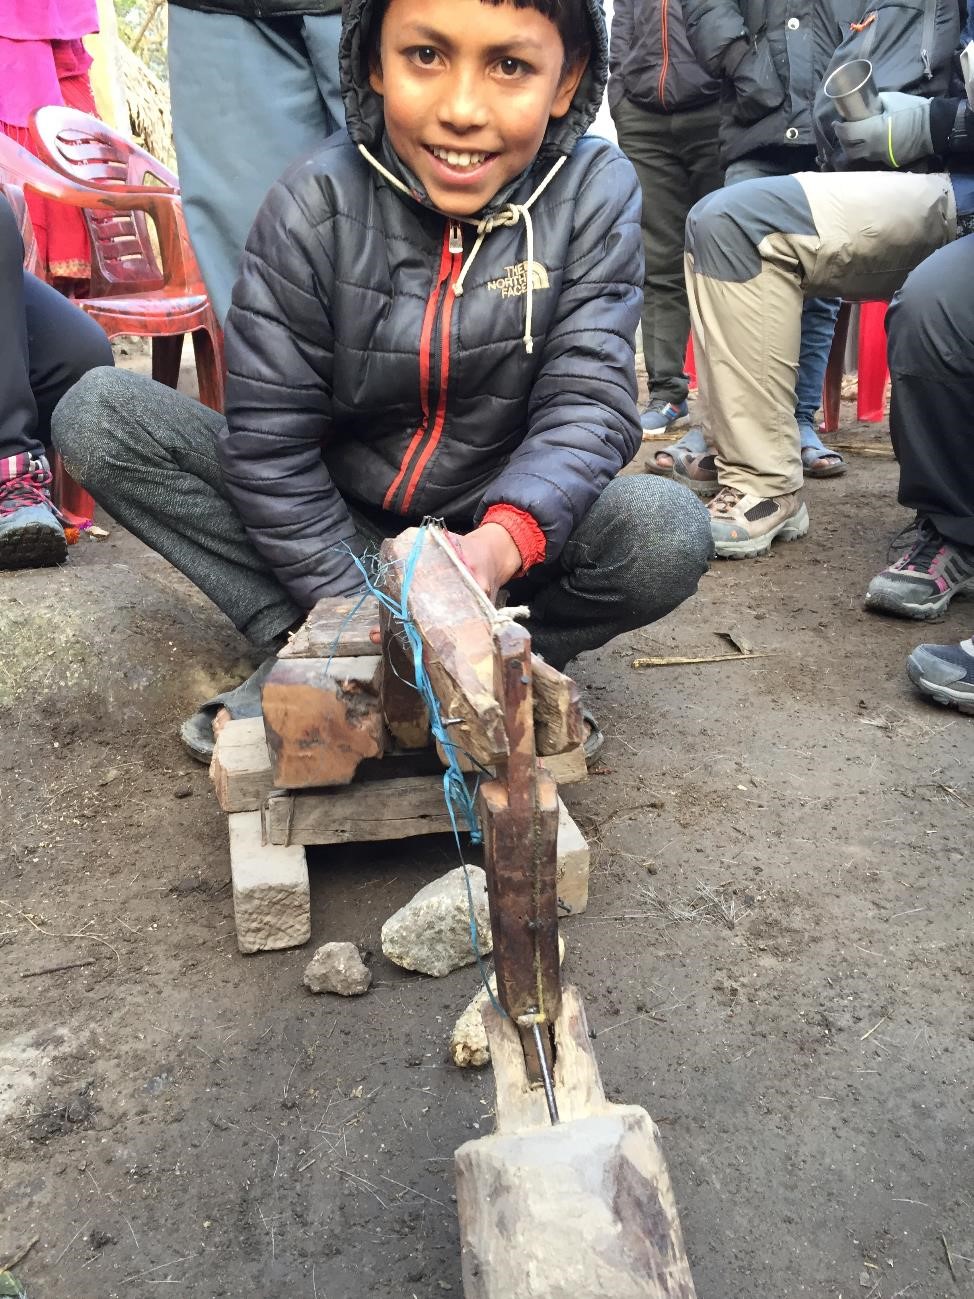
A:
[435,315]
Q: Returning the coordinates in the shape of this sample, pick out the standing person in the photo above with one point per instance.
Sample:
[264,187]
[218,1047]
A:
[435,316]
[46,345]
[254,84]
[765,53]
[667,116]
[43,61]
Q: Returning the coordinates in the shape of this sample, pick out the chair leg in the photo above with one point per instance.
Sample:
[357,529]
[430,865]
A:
[690,364]
[77,506]
[208,351]
[167,349]
[873,369]
[834,371]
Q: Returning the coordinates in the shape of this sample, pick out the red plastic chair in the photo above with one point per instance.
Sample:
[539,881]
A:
[77,506]
[134,291]
[873,368]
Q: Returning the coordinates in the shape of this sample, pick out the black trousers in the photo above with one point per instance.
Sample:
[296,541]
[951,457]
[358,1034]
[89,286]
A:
[46,345]
[931,359]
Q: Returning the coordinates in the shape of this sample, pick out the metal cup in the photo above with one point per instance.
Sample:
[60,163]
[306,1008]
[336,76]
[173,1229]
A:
[853,91]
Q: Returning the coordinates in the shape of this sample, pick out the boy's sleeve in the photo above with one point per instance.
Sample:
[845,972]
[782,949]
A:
[279,345]
[583,424]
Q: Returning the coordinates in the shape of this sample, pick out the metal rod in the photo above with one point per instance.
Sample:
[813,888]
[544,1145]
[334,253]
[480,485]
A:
[549,1088]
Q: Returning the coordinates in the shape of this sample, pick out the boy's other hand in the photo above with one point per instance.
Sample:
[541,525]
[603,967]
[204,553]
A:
[490,554]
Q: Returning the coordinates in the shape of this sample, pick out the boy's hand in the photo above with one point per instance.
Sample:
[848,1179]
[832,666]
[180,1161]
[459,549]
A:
[490,554]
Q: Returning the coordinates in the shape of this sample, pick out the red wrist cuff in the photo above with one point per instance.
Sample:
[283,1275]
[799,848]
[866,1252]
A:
[524,530]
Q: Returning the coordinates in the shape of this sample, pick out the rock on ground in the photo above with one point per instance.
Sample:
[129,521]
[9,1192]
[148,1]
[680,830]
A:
[338,967]
[469,1048]
[431,933]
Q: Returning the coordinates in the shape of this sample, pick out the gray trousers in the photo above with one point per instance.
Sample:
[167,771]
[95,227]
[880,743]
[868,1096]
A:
[675,157]
[147,455]
[248,98]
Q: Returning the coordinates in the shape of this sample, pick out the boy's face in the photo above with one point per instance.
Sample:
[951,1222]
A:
[468,92]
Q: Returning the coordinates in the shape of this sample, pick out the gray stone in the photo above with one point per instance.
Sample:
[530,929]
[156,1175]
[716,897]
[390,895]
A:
[271,895]
[338,967]
[431,933]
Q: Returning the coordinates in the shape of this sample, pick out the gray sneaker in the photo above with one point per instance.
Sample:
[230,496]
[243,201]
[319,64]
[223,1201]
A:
[31,531]
[923,582]
[660,414]
[945,673]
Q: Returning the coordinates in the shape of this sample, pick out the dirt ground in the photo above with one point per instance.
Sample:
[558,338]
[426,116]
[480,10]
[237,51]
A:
[777,956]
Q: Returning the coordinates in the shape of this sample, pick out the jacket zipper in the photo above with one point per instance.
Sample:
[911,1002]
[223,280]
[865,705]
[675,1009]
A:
[926,39]
[434,372]
[665,27]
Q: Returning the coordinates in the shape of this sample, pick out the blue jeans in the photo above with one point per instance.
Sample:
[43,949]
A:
[818,320]
[248,98]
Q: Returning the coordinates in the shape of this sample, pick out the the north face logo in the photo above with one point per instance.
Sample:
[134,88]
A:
[515,280]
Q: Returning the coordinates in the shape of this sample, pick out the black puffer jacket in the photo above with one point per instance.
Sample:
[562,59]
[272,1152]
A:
[262,8]
[357,375]
[651,62]
[770,63]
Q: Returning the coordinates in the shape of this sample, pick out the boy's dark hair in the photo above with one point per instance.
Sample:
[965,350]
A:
[569,16]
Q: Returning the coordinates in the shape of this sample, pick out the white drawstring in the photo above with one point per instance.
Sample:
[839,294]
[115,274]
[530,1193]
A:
[507,216]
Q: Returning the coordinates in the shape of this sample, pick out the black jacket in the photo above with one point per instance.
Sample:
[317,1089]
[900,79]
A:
[357,376]
[262,8]
[651,62]
[770,58]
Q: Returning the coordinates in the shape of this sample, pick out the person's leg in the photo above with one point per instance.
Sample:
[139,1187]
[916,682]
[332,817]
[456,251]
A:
[146,453]
[245,103]
[931,357]
[754,252]
[322,36]
[649,141]
[638,553]
[18,409]
[63,344]
[818,327]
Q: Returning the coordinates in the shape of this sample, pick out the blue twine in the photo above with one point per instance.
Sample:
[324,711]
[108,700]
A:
[457,794]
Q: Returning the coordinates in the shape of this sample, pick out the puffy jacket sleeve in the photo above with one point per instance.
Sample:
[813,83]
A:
[715,30]
[583,424]
[279,345]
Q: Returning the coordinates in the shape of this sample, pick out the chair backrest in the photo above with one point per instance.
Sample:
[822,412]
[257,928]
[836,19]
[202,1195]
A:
[15,197]
[88,150]
[123,259]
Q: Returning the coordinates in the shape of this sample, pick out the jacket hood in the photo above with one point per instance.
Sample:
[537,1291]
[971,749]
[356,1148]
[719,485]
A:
[363,107]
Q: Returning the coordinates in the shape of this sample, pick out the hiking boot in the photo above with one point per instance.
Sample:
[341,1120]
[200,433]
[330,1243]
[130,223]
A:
[945,673]
[31,531]
[923,582]
[743,526]
[660,414]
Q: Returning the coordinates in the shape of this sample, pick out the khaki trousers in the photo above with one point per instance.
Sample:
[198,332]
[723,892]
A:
[755,251]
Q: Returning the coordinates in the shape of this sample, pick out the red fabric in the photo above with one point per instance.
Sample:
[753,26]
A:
[524,531]
[62,236]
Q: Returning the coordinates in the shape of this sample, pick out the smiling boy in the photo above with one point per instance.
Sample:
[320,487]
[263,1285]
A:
[435,316]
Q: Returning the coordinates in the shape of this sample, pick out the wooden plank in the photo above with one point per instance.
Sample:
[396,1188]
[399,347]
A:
[558,724]
[339,626]
[322,717]
[455,620]
[361,813]
[567,768]
[574,860]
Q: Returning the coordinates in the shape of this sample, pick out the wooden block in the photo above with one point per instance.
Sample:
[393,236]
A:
[573,864]
[583,1210]
[558,724]
[271,895]
[405,713]
[339,626]
[241,766]
[322,717]
[455,620]
[362,813]
[567,768]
